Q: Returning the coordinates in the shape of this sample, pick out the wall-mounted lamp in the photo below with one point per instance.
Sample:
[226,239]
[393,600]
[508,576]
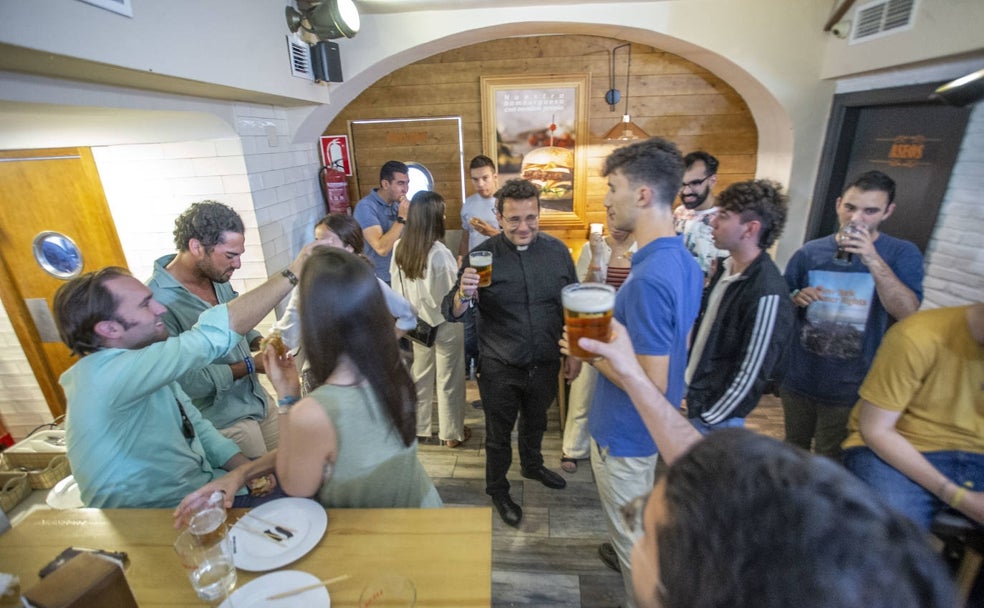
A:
[327,20]
[626,130]
[963,91]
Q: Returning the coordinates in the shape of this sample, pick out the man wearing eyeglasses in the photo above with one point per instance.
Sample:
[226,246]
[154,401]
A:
[520,322]
[693,217]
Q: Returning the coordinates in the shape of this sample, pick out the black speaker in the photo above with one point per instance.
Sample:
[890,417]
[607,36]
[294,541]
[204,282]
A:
[326,61]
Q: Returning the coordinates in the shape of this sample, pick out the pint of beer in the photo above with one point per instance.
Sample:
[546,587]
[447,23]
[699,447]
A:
[482,262]
[587,314]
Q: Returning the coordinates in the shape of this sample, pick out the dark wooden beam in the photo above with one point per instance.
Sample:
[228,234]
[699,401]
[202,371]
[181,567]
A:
[838,14]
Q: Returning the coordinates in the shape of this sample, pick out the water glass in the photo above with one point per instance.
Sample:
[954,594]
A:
[207,558]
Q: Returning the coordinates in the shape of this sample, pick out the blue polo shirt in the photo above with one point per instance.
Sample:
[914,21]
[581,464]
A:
[658,304]
[374,211]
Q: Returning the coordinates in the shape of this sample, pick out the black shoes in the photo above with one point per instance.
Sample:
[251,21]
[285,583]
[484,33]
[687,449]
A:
[509,511]
[607,554]
[546,477]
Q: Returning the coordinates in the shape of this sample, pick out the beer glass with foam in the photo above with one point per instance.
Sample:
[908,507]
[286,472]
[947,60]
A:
[587,314]
[482,262]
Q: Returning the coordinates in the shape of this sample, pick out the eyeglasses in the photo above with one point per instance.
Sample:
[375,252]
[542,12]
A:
[514,222]
[632,513]
[695,183]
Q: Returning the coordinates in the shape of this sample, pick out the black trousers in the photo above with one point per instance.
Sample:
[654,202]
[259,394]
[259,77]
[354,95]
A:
[510,393]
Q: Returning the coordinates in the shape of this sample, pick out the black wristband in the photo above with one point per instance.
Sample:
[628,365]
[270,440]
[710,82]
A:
[290,276]
[401,220]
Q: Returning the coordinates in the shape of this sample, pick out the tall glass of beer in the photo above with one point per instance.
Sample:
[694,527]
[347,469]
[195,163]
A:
[587,314]
[482,262]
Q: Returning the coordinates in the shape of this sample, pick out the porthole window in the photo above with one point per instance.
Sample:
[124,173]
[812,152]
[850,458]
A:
[57,255]
[420,178]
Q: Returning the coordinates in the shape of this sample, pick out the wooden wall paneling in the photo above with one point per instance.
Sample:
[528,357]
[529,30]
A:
[669,97]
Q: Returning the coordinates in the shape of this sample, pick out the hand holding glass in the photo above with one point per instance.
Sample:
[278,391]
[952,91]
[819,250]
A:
[587,314]
[849,230]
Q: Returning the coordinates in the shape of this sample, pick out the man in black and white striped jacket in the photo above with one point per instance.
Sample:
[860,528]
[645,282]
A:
[746,317]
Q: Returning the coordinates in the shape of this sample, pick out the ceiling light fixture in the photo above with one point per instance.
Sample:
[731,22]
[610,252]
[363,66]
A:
[327,20]
[963,91]
[626,130]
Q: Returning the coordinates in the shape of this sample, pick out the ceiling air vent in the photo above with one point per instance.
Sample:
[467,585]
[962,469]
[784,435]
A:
[882,18]
[300,57]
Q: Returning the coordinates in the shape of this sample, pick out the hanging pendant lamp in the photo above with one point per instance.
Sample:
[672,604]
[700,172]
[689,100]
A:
[626,130]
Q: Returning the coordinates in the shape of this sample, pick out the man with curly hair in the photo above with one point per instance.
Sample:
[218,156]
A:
[746,316]
[210,240]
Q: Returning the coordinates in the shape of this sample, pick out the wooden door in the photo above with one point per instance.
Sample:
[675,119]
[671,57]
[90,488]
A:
[435,143]
[49,190]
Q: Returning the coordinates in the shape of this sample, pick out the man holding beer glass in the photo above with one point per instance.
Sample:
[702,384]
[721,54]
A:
[515,279]
[658,304]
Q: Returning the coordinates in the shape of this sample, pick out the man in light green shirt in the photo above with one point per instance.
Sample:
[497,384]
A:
[134,438]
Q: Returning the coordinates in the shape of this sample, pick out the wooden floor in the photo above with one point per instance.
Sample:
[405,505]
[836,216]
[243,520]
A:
[552,559]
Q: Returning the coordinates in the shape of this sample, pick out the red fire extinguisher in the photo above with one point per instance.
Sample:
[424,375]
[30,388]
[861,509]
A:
[334,189]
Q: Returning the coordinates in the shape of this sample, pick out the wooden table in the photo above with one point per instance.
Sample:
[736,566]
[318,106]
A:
[447,552]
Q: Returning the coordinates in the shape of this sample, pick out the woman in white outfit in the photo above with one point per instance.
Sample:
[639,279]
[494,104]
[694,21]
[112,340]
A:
[424,270]
[602,260]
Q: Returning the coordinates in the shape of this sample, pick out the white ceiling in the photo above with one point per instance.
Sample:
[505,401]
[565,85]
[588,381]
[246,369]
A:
[404,6]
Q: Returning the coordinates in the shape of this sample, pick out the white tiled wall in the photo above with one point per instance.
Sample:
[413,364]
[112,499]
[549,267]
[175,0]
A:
[269,181]
[21,400]
[955,258]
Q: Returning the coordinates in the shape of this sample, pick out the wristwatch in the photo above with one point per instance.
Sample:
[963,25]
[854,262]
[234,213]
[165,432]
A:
[401,220]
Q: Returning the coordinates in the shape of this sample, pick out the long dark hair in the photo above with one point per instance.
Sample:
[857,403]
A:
[425,225]
[347,229]
[343,312]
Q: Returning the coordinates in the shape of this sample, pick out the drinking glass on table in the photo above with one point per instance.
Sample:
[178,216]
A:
[205,549]
[389,591]
[482,262]
[587,314]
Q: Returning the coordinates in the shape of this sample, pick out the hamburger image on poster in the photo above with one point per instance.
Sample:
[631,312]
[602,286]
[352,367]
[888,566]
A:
[551,168]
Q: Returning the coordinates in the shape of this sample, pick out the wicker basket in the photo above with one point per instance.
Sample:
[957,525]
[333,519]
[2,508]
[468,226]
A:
[13,489]
[43,479]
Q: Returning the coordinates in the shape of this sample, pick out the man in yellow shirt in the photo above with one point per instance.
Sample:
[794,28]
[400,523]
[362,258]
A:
[917,433]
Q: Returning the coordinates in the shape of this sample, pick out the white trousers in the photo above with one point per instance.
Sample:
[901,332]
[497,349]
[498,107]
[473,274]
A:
[619,481]
[577,441]
[443,366]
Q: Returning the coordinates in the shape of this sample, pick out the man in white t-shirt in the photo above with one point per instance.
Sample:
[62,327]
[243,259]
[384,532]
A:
[693,218]
[478,222]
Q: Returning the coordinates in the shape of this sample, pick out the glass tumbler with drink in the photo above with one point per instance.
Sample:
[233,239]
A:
[587,314]
[846,232]
[482,262]
[205,549]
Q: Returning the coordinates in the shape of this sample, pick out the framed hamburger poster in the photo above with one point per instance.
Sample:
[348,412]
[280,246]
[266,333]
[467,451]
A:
[533,127]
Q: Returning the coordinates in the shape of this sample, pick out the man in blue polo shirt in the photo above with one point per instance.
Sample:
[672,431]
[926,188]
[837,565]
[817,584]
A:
[658,304]
[382,214]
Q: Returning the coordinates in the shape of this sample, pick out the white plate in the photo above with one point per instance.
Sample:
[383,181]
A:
[255,593]
[256,552]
